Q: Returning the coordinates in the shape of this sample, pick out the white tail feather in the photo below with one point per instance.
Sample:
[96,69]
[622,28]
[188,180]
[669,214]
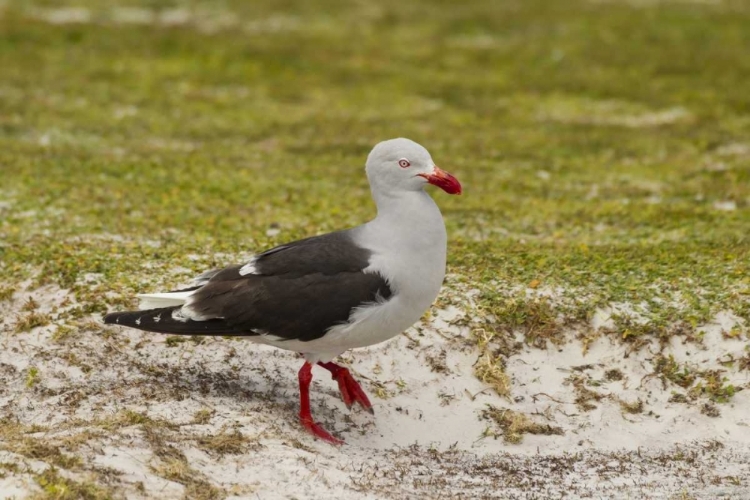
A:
[157,300]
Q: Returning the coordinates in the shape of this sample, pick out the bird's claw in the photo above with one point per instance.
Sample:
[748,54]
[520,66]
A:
[350,390]
[318,431]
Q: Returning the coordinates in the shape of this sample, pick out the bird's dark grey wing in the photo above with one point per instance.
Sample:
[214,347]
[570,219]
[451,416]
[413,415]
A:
[301,307]
[296,291]
[327,254]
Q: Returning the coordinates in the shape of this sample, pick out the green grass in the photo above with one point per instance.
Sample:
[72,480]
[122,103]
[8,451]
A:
[596,142]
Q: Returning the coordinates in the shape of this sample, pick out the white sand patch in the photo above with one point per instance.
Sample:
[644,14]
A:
[62,15]
[133,15]
[274,24]
[16,485]
[734,149]
[585,111]
[543,175]
[478,41]
[427,437]
[60,138]
[543,385]
[725,206]
[158,143]
[656,3]
[122,112]
[206,20]
[166,17]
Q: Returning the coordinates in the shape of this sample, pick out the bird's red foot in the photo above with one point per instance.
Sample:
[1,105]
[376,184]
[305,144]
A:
[351,391]
[318,431]
[305,417]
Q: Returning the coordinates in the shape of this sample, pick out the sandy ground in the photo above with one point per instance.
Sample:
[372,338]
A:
[134,407]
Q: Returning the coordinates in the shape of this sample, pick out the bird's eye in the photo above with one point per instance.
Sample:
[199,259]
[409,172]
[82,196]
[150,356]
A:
[403,163]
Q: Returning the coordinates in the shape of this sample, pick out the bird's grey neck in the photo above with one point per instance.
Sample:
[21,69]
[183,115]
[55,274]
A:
[404,214]
[400,204]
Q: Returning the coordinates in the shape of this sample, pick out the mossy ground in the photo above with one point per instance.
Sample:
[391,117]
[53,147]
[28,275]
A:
[597,143]
[604,150]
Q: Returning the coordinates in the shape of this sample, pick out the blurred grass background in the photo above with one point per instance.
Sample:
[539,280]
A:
[604,146]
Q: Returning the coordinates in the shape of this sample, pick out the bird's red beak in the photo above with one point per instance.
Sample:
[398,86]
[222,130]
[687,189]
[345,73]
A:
[443,180]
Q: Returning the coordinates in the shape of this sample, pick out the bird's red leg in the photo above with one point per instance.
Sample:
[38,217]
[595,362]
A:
[305,417]
[351,392]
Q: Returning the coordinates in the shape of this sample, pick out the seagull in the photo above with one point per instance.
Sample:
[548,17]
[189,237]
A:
[324,295]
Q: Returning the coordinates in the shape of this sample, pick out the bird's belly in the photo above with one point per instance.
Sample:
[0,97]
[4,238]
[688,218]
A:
[377,323]
[367,326]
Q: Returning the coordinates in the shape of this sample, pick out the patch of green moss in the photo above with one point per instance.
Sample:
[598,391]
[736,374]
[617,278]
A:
[57,487]
[535,318]
[585,397]
[39,449]
[711,384]
[632,407]
[31,320]
[202,416]
[32,377]
[714,386]
[126,418]
[224,443]
[491,370]
[667,369]
[744,362]
[196,485]
[6,293]
[175,340]
[512,425]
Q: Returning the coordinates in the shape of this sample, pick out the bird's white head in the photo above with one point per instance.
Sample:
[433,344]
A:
[403,165]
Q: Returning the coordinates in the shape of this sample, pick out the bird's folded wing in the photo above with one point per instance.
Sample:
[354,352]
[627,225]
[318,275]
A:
[294,291]
[300,307]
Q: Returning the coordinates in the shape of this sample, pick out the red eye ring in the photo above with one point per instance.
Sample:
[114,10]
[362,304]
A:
[404,163]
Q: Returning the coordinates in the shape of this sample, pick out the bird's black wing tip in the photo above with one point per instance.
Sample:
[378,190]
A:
[111,318]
